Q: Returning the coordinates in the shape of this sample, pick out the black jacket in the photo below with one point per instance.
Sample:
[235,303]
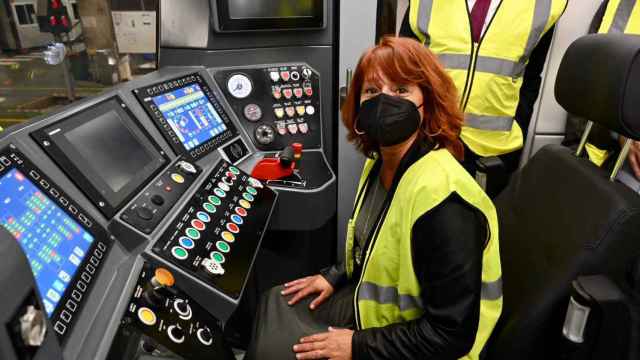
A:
[447,245]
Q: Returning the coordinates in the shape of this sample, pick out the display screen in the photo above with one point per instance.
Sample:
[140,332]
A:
[255,9]
[190,114]
[54,243]
[108,142]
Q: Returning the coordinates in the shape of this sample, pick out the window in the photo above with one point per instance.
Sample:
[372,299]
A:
[26,14]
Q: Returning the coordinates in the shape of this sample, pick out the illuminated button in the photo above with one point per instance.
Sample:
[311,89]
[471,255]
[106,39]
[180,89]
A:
[223,186]
[217,257]
[147,316]
[212,267]
[311,110]
[298,92]
[255,183]
[237,219]
[285,75]
[219,192]
[282,127]
[245,204]
[304,128]
[293,128]
[214,200]
[290,110]
[179,253]
[308,91]
[177,178]
[209,207]
[163,277]
[234,170]
[203,216]
[252,191]
[193,233]
[279,112]
[241,211]
[228,237]
[300,110]
[230,175]
[277,94]
[167,188]
[233,228]
[199,225]
[186,243]
[223,246]
[248,197]
[288,93]
[274,76]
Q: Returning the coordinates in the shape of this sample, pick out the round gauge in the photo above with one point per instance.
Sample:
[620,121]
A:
[265,134]
[239,86]
[252,112]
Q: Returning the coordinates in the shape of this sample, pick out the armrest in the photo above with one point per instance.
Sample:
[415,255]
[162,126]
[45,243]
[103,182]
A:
[491,175]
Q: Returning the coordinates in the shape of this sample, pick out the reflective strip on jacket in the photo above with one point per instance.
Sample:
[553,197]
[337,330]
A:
[388,290]
[488,75]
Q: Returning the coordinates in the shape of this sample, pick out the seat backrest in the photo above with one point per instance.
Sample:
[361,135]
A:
[560,216]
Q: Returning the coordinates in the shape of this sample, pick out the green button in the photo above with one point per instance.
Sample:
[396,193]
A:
[247,196]
[215,200]
[193,233]
[180,253]
[234,170]
[209,207]
[223,246]
[251,190]
[217,257]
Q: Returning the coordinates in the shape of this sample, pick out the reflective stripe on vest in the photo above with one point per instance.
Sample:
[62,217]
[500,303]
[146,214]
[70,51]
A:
[490,94]
[388,290]
[618,18]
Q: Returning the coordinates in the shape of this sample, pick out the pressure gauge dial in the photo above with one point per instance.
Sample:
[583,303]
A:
[239,86]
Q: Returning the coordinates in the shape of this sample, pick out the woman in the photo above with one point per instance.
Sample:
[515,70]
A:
[422,275]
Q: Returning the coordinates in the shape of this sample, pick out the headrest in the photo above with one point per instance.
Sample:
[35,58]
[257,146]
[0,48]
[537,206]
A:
[599,80]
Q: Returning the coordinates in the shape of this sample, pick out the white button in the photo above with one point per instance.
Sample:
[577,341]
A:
[82,286]
[102,246]
[76,295]
[91,269]
[97,253]
[60,328]
[86,277]
[293,128]
[72,305]
[311,110]
[65,316]
[94,261]
[304,128]
[274,76]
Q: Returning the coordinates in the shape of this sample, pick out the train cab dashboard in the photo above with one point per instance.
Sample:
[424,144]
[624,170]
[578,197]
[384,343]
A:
[138,212]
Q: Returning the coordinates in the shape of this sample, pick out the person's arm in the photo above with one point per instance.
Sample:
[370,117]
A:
[336,275]
[447,246]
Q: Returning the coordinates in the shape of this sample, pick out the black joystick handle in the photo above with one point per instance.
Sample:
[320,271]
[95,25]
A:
[286,156]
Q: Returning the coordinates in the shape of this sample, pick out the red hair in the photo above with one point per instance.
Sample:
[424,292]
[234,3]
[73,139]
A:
[405,61]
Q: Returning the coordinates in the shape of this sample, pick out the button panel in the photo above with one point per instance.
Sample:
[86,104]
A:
[219,229]
[155,201]
[288,97]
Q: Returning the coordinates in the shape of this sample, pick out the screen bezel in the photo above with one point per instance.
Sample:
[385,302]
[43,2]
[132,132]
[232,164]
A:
[16,160]
[146,94]
[80,170]
[228,24]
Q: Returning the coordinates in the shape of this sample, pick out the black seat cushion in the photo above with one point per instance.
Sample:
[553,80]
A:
[560,217]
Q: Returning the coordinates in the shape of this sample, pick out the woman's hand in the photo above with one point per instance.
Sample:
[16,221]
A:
[332,345]
[307,286]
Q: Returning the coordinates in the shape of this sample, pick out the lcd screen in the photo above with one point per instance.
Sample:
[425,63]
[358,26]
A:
[190,114]
[107,142]
[256,9]
[54,243]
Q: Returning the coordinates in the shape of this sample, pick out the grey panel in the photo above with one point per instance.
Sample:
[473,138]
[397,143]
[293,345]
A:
[184,23]
[543,140]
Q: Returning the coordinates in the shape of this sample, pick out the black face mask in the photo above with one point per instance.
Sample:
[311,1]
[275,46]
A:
[388,120]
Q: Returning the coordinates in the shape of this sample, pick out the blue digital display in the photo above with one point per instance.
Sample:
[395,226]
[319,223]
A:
[190,114]
[54,243]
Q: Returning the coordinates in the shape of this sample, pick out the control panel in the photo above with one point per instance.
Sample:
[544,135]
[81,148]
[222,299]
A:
[215,236]
[162,321]
[64,245]
[147,210]
[277,105]
[188,115]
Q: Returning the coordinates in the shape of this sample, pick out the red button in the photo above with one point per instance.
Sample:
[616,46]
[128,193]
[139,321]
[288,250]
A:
[65,21]
[167,188]
[199,225]
[297,92]
[308,91]
[288,93]
[231,175]
[233,228]
[241,211]
[53,21]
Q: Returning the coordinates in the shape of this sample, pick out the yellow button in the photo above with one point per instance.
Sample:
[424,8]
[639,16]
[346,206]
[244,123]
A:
[245,204]
[177,178]
[147,316]
[228,237]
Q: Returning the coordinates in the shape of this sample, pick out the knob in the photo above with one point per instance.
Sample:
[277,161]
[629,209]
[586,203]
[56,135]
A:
[182,308]
[34,326]
[265,134]
[144,213]
[205,336]
[176,334]
[157,200]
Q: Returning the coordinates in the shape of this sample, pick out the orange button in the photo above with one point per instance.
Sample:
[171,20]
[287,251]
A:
[164,277]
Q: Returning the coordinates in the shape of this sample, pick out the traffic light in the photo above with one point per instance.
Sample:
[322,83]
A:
[53,17]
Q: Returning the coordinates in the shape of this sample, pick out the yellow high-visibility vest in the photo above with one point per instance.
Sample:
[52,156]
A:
[488,74]
[388,290]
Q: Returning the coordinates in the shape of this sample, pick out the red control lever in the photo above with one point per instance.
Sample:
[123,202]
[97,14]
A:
[280,167]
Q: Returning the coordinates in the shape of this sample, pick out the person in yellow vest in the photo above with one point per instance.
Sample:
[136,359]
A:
[612,17]
[486,45]
[422,276]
